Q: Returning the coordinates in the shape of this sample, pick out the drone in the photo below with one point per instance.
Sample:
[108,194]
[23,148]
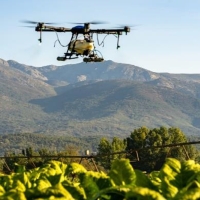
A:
[83,47]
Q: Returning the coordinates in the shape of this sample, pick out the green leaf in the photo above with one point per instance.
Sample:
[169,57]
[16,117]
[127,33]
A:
[55,165]
[142,180]
[56,179]
[75,190]
[170,177]
[89,185]
[54,192]
[24,178]
[42,184]
[2,191]
[193,194]
[113,193]
[13,195]
[93,182]
[167,189]
[19,168]
[122,172]
[18,185]
[74,168]
[140,193]
[190,171]
[63,167]
[53,198]
[170,169]
[58,191]
[7,182]
[155,179]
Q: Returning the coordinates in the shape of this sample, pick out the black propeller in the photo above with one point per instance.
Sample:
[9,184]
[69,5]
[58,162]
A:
[28,26]
[126,25]
[33,22]
[91,22]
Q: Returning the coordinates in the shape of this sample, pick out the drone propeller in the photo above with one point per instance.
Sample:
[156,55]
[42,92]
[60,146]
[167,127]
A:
[33,22]
[91,22]
[126,25]
[28,26]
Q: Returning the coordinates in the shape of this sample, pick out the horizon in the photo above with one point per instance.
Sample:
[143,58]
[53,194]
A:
[64,65]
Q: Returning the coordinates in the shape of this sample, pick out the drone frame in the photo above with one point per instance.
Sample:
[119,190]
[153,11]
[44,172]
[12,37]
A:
[84,30]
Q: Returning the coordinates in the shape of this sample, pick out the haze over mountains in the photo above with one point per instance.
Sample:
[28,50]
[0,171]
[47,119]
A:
[105,98]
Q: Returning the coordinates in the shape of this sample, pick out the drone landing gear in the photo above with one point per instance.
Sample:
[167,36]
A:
[61,58]
[93,58]
[67,57]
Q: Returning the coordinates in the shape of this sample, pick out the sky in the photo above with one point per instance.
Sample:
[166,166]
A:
[165,34]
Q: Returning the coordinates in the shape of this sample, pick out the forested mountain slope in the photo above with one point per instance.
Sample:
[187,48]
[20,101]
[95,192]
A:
[95,99]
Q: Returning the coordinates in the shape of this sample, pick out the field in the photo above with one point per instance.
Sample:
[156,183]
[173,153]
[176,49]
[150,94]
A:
[57,180]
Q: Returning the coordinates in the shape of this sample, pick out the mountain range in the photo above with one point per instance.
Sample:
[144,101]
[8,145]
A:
[95,99]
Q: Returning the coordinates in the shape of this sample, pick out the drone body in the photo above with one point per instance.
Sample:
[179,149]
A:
[80,47]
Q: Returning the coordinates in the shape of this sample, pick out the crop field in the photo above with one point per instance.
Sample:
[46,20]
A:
[57,180]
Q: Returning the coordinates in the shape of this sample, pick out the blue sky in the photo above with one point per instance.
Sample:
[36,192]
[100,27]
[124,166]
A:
[166,37]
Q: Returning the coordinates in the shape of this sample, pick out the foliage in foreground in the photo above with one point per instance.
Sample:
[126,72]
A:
[56,180]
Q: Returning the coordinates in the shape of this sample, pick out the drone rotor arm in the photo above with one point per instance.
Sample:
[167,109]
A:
[45,28]
[116,32]
[111,31]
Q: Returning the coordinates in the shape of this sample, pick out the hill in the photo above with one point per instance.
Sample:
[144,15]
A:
[95,99]
[17,88]
[118,106]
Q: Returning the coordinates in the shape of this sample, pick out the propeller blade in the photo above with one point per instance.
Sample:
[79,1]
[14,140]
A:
[28,22]
[126,25]
[33,22]
[98,22]
[91,22]
[28,26]
[50,23]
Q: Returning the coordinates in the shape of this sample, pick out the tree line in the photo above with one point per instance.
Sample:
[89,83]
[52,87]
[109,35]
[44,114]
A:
[138,148]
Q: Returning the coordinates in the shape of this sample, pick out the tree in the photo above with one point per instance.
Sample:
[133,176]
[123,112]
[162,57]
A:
[104,149]
[183,152]
[118,145]
[143,140]
[138,138]
[107,149]
[70,150]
